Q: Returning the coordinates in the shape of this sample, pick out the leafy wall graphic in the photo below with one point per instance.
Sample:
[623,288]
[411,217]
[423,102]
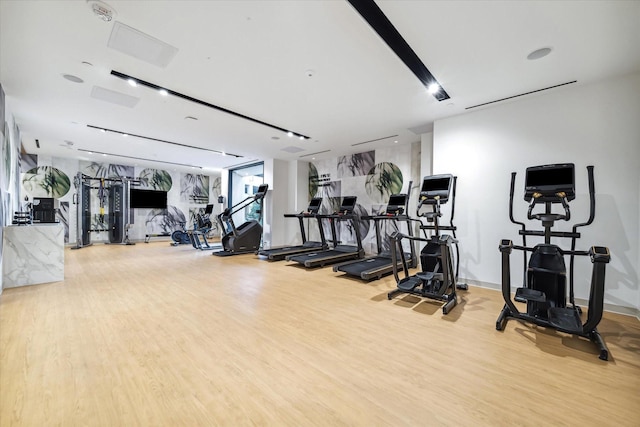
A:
[383,180]
[28,161]
[165,221]
[194,188]
[62,215]
[313,181]
[7,158]
[155,179]
[46,181]
[216,187]
[356,164]
[107,170]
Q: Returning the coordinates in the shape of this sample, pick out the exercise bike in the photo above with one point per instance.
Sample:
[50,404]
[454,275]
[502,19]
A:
[545,275]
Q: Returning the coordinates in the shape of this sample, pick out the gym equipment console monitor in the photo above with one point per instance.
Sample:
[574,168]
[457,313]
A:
[436,186]
[549,180]
[396,203]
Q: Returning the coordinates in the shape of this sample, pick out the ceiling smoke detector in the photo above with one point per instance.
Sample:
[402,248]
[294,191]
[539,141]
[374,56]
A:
[102,10]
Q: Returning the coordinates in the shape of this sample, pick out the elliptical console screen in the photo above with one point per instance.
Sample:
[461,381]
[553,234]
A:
[348,204]
[314,205]
[262,191]
[436,185]
[548,180]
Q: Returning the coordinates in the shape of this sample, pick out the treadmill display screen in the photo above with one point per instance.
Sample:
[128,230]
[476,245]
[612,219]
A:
[436,186]
[314,205]
[348,204]
[396,203]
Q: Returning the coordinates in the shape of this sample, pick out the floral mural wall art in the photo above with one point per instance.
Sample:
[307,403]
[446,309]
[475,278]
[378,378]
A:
[46,181]
[155,179]
[313,181]
[28,161]
[107,170]
[62,215]
[383,180]
[7,158]
[356,164]
[194,188]
[165,221]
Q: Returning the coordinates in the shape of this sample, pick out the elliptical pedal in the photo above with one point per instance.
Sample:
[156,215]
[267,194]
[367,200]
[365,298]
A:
[565,319]
[409,284]
[528,294]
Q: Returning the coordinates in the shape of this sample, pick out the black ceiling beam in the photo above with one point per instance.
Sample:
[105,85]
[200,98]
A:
[204,103]
[371,13]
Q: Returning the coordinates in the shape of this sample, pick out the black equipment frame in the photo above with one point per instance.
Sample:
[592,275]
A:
[557,315]
[440,283]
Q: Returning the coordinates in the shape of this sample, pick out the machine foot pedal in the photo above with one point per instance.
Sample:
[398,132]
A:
[409,284]
[526,295]
[565,319]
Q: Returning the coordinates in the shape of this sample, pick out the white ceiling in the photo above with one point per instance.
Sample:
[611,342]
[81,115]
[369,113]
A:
[252,57]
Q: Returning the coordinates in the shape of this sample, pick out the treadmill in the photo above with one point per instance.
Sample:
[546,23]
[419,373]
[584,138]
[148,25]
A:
[279,253]
[380,265]
[339,252]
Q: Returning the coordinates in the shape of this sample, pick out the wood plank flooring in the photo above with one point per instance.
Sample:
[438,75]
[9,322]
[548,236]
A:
[154,335]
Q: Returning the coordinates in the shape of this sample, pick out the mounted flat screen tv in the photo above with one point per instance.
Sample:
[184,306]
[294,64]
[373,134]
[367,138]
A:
[147,199]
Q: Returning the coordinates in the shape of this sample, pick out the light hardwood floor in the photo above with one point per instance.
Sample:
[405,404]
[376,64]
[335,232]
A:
[153,335]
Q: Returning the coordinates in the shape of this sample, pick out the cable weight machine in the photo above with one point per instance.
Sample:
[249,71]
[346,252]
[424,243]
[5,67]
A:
[113,194]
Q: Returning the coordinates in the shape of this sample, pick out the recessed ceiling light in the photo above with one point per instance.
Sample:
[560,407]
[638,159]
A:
[301,137]
[289,134]
[132,82]
[395,142]
[539,53]
[72,78]
[433,88]
[103,130]
[125,135]
[163,92]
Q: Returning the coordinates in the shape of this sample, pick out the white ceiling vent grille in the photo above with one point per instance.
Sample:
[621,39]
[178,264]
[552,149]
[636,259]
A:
[293,149]
[141,46]
[114,97]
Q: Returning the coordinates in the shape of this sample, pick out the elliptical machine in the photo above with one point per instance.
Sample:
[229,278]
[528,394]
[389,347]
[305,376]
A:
[438,278]
[246,237]
[545,275]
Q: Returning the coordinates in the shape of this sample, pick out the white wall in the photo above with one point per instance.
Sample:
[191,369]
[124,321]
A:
[297,201]
[597,124]
[276,174]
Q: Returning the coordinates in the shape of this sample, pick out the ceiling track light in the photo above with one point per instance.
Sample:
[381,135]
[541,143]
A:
[127,134]
[379,22]
[201,102]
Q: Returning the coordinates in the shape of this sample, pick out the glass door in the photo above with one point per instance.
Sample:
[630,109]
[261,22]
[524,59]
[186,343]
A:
[244,183]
